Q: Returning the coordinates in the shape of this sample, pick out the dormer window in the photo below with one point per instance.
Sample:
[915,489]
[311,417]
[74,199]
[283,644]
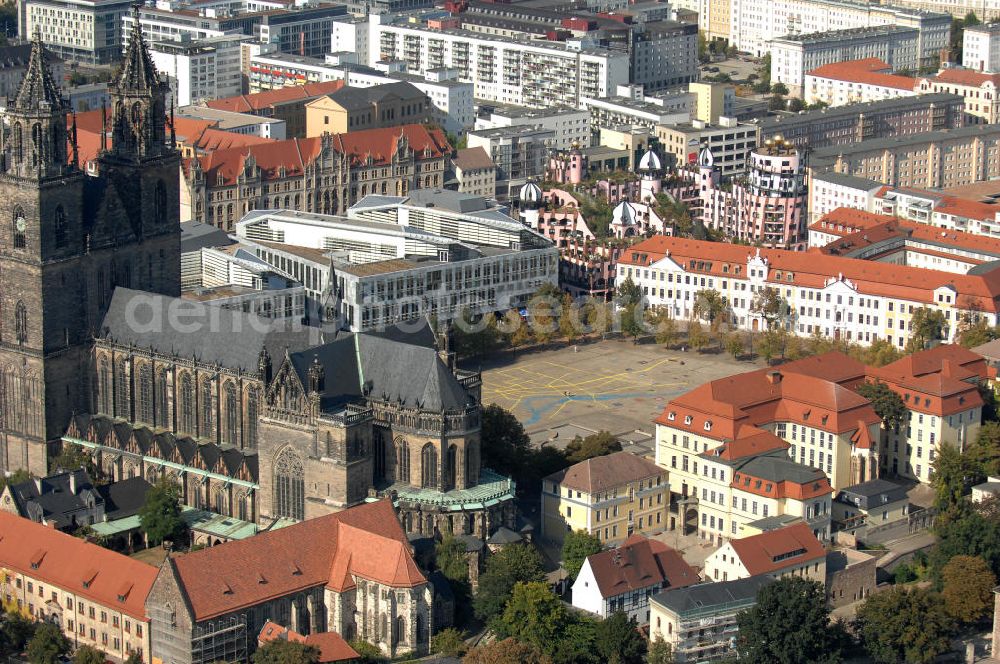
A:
[687,419]
[671,416]
[708,425]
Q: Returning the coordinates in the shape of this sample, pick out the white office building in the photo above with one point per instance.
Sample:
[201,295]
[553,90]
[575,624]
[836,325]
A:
[84,31]
[395,259]
[531,73]
[794,56]
[981,48]
[570,125]
[200,70]
[756,23]
[829,191]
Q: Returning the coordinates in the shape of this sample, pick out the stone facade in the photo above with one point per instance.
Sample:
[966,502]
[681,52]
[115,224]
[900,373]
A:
[70,239]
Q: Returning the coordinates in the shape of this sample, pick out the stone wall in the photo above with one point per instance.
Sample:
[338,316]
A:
[850,576]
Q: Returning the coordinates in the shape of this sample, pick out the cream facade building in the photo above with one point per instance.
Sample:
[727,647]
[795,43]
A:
[788,551]
[611,497]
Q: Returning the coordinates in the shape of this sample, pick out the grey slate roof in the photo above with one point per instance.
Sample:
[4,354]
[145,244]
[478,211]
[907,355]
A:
[872,493]
[51,498]
[705,597]
[357,99]
[196,235]
[231,338]
[123,499]
[845,180]
[450,200]
[776,466]
[392,370]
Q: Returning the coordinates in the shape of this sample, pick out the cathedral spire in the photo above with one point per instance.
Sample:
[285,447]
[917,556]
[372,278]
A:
[137,72]
[38,90]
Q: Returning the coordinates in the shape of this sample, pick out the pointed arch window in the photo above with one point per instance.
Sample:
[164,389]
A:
[21,323]
[253,400]
[207,409]
[18,224]
[160,203]
[160,411]
[36,144]
[121,391]
[289,486]
[428,466]
[452,466]
[17,143]
[232,415]
[61,228]
[145,405]
[104,387]
[402,460]
[187,404]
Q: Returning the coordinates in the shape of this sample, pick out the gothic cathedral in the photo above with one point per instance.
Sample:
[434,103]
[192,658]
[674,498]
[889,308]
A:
[67,239]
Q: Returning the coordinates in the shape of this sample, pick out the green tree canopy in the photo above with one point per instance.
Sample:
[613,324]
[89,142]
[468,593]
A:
[15,632]
[48,645]
[968,588]
[985,451]
[967,530]
[449,556]
[790,624]
[577,545]
[619,640]
[449,642]
[629,293]
[508,567]
[903,625]
[160,516]
[659,652]
[928,326]
[534,615]
[953,475]
[88,655]
[769,305]
[504,444]
[711,306]
[17,477]
[595,445]
[281,651]
[508,651]
[887,404]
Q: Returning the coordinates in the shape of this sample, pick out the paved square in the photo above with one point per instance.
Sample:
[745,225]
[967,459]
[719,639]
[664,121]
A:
[613,385]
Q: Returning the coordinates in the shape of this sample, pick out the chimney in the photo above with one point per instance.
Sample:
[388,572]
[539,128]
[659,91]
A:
[774,377]
[72,482]
[38,485]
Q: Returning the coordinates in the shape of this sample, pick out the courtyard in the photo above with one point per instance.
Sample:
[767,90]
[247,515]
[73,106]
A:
[611,385]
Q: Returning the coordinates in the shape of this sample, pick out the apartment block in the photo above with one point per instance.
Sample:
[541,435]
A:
[756,23]
[84,31]
[520,153]
[795,55]
[851,125]
[521,72]
[854,82]
[570,125]
[729,142]
[611,497]
[979,90]
[200,70]
[829,191]
[638,109]
[933,160]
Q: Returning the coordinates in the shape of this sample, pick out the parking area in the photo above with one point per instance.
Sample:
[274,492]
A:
[611,385]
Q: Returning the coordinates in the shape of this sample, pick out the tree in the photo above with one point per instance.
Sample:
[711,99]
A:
[711,306]
[953,475]
[659,652]
[985,451]
[569,319]
[281,651]
[697,337]
[779,89]
[19,476]
[369,653]
[970,20]
[597,444]
[903,625]
[160,516]
[968,588]
[449,642]
[619,640]
[599,316]
[449,556]
[508,567]
[664,326]
[134,658]
[508,651]
[972,333]
[631,320]
[887,404]
[628,293]
[534,615]
[770,344]
[967,530]
[734,345]
[776,103]
[544,310]
[577,545]
[88,655]
[72,457]
[15,632]
[927,326]
[504,443]
[769,305]
[48,645]
[795,105]
[790,624]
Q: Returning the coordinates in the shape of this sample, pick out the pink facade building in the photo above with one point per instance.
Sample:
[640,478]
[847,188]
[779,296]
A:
[767,205]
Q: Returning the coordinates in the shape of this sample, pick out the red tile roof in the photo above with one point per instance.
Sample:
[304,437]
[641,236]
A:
[365,541]
[332,647]
[815,271]
[262,100]
[871,71]
[605,472]
[941,381]
[766,553]
[968,77]
[297,153]
[72,564]
[204,135]
[638,564]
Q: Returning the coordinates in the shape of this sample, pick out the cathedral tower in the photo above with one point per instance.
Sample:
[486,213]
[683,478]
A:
[67,239]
